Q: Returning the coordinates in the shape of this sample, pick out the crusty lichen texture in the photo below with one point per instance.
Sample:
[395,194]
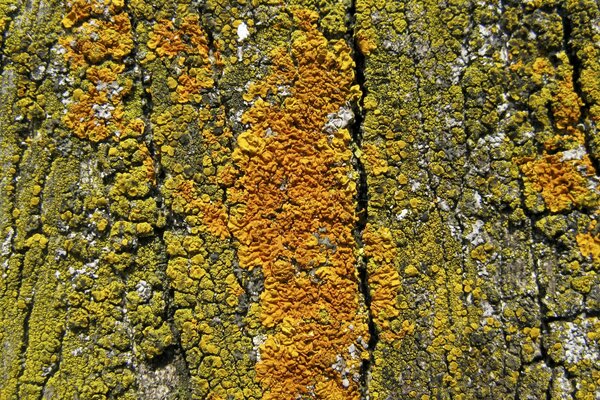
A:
[481,159]
[235,199]
[293,216]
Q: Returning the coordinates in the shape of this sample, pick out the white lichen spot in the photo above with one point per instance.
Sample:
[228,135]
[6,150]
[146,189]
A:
[487,308]
[353,351]
[340,364]
[363,342]
[257,341]
[477,200]
[242,31]
[502,107]
[284,90]
[475,237]
[573,154]
[143,290]
[443,204]
[6,244]
[269,133]
[37,73]
[402,214]
[575,344]
[339,120]
[103,111]
[77,352]
[492,140]
[415,186]
[563,383]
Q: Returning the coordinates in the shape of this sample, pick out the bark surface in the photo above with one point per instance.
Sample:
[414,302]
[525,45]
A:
[257,199]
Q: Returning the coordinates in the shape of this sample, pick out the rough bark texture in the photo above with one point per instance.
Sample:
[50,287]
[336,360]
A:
[260,199]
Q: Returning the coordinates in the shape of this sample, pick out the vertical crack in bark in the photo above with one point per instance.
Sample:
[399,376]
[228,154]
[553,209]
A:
[362,199]
[175,353]
[576,65]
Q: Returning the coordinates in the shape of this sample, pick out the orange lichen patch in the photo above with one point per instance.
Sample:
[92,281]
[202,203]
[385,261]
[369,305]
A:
[541,67]
[185,190]
[98,40]
[557,91]
[187,44]
[226,175]
[214,218]
[563,184]
[189,85]
[589,244]
[566,105]
[169,41]
[97,112]
[147,161]
[188,200]
[384,281]
[80,10]
[93,116]
[287,354]
[135,128]
[293,214]
[105,74]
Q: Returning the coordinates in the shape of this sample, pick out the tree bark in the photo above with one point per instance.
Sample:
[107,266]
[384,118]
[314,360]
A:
[282,200]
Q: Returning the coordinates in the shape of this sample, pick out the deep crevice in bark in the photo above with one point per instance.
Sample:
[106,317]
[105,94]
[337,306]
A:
[577,67]
[175,353]
[362,200]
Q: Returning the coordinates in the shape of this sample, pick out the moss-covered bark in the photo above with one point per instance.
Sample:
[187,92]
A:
[263,199]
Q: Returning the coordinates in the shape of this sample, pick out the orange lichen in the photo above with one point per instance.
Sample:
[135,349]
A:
[188,200]
[189,85]
[556,102]
[293,216]
[565,103]
[187,43]
[188,37]
[589,244]
[384,281]
[562,183]
[566,106]
[214,218]
[93,116]
[97,40]
[80,10]
[97,112]
[147,161]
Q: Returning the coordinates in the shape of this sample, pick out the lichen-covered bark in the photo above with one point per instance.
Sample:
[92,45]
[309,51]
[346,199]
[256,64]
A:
[281,200]
[479,146]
